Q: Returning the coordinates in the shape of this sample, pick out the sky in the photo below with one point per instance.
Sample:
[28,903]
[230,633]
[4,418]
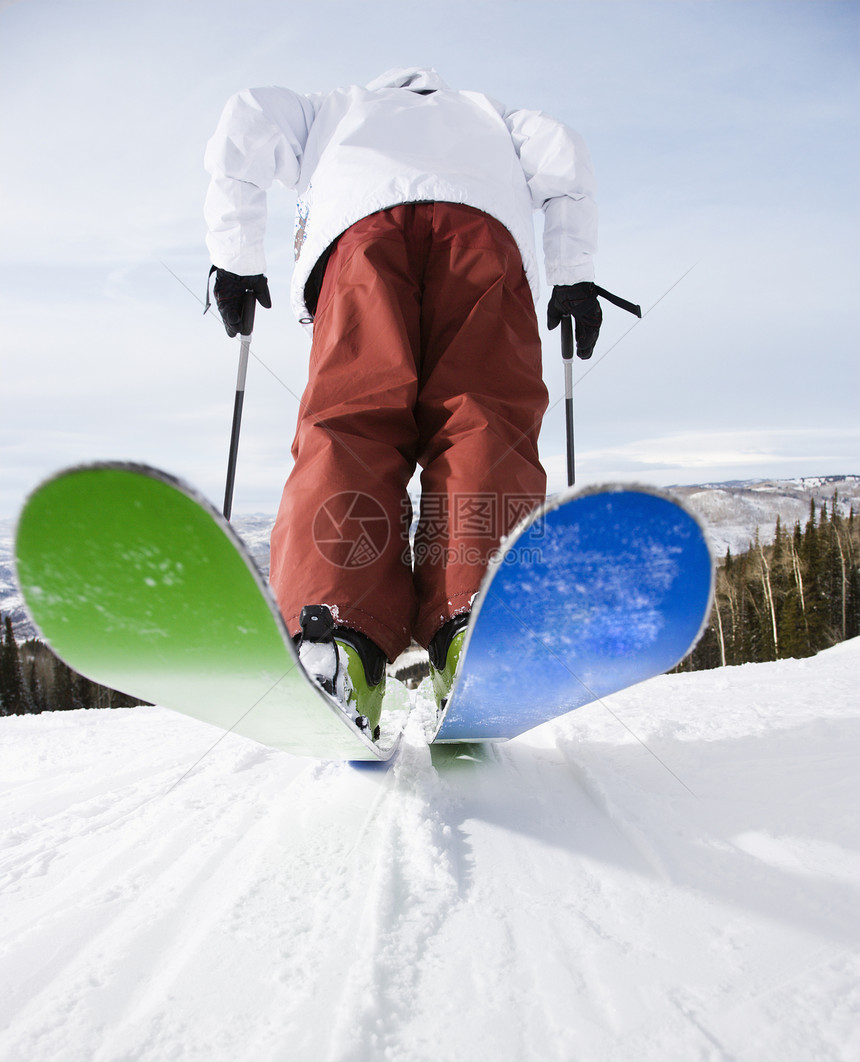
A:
[724,135]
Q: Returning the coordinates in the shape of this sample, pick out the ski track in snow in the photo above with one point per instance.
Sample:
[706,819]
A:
[559,897]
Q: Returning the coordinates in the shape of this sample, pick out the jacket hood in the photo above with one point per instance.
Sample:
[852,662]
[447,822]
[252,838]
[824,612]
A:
[416,78]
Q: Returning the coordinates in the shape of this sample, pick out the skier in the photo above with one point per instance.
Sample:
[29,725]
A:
[416,270]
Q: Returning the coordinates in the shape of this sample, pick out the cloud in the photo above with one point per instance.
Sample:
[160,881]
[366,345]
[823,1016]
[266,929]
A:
[709,456]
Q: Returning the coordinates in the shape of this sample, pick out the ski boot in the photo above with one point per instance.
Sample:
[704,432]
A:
[345,664]
[445,650]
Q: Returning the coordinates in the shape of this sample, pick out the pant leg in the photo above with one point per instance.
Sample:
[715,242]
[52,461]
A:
[480,403]
[425,348]
[340,537]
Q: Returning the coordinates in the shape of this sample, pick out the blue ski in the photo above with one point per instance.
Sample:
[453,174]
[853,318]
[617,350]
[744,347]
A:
[596,591]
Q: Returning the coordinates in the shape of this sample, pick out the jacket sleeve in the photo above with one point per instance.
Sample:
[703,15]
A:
[560,179]
[260,139]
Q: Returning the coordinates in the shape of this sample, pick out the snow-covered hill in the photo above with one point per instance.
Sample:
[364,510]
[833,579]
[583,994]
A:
[671,875]
[734,511]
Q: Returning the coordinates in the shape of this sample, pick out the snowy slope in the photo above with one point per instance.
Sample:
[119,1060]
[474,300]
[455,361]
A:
[673,874]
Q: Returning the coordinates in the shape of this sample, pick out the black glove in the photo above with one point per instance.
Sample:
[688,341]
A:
[230,291]
[578,301]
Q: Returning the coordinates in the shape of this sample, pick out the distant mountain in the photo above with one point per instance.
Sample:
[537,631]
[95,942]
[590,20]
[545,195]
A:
[733,511]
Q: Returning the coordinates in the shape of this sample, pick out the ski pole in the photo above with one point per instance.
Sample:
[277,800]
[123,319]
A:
[567,356]
[248,308]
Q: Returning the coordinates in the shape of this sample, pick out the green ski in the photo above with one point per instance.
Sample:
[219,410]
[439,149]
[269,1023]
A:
[140,585]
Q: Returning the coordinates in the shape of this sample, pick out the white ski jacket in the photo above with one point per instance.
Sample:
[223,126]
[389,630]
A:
[405,137]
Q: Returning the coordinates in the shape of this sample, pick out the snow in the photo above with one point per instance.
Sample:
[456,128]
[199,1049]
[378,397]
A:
[671,874]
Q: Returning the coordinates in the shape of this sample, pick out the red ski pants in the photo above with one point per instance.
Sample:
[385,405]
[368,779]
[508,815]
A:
[425,352]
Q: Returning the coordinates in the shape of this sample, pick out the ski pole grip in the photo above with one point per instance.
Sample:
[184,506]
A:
[566,338]
[249,306]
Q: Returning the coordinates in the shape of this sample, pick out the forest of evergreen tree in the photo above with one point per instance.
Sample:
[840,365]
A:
[33,680]
[791,598]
